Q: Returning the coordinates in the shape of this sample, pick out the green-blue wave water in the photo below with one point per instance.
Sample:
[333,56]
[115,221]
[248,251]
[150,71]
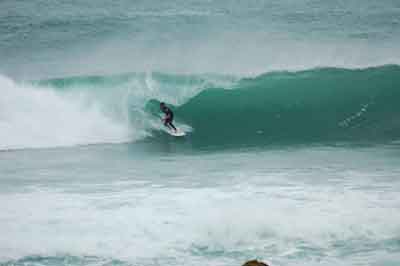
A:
[315,105]
[319,105]
[292,120]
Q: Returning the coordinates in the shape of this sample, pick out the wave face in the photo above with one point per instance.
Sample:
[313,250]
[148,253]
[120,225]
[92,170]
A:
[316,105]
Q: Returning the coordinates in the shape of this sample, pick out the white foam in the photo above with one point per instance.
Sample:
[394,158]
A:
[132,222]
[84,113]
[32,117]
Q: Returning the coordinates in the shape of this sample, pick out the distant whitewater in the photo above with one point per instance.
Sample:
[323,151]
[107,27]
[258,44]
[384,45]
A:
[327,104]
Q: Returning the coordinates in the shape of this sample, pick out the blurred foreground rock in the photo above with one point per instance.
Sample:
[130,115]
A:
[255,263]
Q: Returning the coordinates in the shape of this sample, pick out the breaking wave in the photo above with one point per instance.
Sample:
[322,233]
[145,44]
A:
[326,104]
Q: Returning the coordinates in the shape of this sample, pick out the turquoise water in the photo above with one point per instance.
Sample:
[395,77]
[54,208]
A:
[130,204]
[291,113]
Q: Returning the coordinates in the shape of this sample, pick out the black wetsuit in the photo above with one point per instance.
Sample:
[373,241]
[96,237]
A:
[169,117]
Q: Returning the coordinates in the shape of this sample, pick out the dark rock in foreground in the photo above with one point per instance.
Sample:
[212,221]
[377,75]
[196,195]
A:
[255,263]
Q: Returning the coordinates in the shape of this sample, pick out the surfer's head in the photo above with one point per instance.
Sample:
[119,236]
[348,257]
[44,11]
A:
[162,104]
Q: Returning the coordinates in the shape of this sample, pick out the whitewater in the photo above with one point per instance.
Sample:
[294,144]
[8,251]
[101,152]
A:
[292,119]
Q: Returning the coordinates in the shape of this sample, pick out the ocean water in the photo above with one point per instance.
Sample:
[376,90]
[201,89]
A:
[291,110]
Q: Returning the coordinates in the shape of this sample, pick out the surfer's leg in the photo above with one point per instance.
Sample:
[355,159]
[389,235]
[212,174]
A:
[167,125]
[172,125]
[168,122]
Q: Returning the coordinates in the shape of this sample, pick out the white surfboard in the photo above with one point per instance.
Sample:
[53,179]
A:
[177,133]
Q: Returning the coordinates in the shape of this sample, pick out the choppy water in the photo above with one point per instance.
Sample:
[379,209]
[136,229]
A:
[129,204]
[291,110]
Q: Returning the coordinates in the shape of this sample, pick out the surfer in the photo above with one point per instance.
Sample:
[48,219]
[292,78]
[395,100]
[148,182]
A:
[169,116]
